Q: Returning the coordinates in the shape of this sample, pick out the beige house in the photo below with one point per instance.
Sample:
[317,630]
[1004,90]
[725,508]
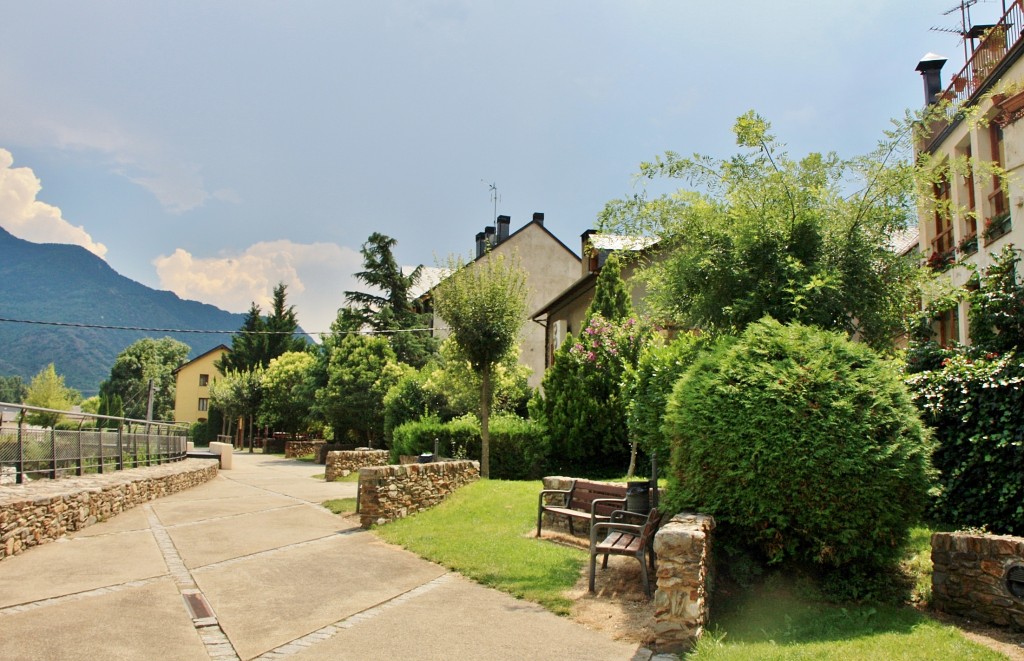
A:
[550,267]
[564,313]
[978,215]
[192,386]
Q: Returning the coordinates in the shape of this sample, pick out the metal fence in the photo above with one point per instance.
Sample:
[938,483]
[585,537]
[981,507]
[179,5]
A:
[82,443]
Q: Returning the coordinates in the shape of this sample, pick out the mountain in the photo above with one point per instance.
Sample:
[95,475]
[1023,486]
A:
[68,284]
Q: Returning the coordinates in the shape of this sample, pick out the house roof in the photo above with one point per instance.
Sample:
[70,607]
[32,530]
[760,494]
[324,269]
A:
[576,289]
[219,347]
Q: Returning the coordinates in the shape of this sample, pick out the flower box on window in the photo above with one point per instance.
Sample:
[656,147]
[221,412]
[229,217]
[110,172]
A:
[939,261]
[968,245]
[996,227]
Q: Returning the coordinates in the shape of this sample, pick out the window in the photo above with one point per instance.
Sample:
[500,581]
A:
[942,244]
[204,404]
[949,327]
[204,380]
[997,198]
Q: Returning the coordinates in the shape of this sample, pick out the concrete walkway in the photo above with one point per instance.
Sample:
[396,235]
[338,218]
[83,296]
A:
[250,566]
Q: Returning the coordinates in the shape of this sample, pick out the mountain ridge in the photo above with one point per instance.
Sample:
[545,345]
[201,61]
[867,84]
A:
[67,284]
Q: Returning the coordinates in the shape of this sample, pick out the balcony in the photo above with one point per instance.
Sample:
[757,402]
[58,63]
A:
[994,42]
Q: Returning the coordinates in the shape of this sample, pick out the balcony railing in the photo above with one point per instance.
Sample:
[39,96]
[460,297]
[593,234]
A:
[28,452]
[992,48]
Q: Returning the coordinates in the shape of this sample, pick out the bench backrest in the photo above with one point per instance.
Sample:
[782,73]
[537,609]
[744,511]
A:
[585,493]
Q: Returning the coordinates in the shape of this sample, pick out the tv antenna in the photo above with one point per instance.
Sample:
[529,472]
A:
[495,198]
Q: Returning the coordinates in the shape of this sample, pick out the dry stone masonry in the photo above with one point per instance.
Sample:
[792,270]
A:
[387,493]
[980,577]
[294,449]
[683,550]
[341,463]
[45,510]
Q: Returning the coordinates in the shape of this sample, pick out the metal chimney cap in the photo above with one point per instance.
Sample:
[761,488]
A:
[930,62]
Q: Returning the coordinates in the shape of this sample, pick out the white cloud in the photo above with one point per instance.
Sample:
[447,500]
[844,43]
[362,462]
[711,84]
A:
[316,275]
[26,217]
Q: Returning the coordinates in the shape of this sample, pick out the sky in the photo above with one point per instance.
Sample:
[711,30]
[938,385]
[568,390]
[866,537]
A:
[215,148]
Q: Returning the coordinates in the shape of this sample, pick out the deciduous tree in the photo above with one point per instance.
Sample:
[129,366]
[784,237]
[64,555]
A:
[804,240]
[141,362]
[47,391]
[484,305]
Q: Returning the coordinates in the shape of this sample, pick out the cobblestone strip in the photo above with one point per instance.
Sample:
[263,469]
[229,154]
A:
[87,594]
[217,644]
[331,630]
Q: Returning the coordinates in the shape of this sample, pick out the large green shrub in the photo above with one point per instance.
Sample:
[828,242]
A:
[804,446]
[517,445]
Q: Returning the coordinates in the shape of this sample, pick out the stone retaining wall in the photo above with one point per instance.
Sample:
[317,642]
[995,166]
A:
[683,551]
[45,510]
[970,577]
[293,449]
[387,493]
[342,462]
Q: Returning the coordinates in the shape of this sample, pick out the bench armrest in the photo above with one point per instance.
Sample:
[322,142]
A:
[601,501]
[565,493]
[625,516]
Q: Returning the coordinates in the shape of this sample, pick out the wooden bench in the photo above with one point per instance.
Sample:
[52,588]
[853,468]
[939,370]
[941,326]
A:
[583,501]
[625,533]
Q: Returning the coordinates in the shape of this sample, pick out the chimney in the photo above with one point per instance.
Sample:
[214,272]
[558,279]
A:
[587,252]
[503,222]
[538,218]
[490,236]
[481,245]
[930,67]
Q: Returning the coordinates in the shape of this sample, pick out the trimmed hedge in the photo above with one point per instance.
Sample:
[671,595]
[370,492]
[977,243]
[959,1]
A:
[804,445]
[517,445]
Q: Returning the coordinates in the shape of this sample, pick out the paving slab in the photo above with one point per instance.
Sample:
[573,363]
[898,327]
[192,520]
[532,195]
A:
[216,540]
[143,622]
[460,619]
[191,510]
[303,588]
[77,564]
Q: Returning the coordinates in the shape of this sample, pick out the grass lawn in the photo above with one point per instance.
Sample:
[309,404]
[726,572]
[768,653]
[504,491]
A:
[485,532]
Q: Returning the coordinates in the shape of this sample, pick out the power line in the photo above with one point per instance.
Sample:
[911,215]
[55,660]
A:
[67,324]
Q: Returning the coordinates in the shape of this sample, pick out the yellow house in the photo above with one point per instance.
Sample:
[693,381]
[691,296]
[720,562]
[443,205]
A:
[192,386]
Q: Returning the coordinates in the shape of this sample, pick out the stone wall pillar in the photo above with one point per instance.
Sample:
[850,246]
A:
[976,576]
[683,550]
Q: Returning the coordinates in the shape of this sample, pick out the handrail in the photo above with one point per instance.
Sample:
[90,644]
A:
[29,452]
[993,46]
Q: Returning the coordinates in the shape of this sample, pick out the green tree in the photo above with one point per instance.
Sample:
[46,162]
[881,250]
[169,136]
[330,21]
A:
[134,368]
[264,337]
[799,240]
[360,372]
[47,391]
[286,401]
[611,299]
[237,395]
[389,308]
[484,305]
[248,345]
[12,389]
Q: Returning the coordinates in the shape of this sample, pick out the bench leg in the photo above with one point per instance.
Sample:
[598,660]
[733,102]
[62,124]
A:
[643,577]
[593,567]
[540,517]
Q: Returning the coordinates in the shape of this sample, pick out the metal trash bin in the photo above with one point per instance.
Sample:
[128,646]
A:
[425,458]
[638,497]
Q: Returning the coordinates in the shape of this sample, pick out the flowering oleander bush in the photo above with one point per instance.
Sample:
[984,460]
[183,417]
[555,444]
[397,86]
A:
[583,405]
